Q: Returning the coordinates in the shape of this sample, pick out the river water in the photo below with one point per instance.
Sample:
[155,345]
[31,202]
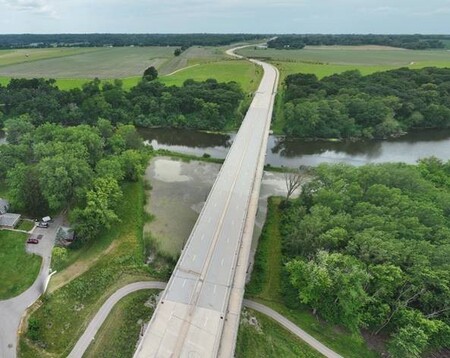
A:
[296,152]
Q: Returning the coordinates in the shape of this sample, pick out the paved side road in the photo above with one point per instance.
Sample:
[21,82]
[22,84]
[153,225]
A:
[292,328]
[102,314]
[12,310]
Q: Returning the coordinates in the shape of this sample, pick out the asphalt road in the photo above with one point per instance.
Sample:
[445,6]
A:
[190,317]
[12,310]
[292,328]
[102,314]
[100,317]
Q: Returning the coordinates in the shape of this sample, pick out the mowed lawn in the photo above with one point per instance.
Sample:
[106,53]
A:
[327,60]
[243,72]
[18,270]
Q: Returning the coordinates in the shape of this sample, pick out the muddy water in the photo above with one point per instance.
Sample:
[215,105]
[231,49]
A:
[179,190]
[296,152]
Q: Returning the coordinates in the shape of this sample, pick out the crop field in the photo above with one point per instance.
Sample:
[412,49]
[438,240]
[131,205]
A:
[73,67]
[14,57]
[326,60]
[118,62]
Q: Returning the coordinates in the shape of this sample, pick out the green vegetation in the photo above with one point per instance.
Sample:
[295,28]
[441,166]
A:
[245,73]
[78,168]
[199,105]
[325,61]
[380,105]
[412,42]
[117,337]
[368,247]
[259,336]
[100,40]
[18,270]
[25,225]
[269,286]
[116,259]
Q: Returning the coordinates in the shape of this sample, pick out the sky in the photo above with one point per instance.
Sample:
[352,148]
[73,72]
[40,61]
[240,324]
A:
[225,16]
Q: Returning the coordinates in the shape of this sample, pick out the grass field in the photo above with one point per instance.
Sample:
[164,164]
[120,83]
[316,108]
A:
[243,72]
[116,258]
[266,287]
[326,60]
[118,335]
[18,270]
[267,339]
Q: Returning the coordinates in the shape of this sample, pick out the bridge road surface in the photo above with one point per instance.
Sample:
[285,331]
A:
[189,319]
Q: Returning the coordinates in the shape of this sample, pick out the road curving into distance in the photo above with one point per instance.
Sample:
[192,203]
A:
[87,337]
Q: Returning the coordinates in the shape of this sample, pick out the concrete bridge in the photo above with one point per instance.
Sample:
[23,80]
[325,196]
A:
[198,314]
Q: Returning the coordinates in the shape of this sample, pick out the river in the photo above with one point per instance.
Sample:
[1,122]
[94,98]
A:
[296,152]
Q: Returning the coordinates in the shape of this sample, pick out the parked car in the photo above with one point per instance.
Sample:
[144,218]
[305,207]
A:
[42,225]
[32,241]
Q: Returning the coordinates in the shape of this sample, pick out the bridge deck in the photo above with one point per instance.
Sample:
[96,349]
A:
[189,319]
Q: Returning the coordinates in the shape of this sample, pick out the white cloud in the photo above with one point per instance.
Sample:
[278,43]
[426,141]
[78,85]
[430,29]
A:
[34,6]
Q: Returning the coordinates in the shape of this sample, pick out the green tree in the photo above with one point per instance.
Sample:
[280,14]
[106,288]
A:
[150,74]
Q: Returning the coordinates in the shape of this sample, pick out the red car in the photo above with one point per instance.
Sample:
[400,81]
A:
[32,241]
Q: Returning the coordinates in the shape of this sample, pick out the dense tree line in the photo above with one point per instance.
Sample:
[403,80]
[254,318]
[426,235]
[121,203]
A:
[380,105]
[368,247]
[198,105]
[96,40]
[412,42]
[81,168]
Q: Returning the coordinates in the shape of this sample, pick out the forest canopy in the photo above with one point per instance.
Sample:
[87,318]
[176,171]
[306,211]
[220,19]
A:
[380,105]
[412,42]
[368,247]
[205,105]
[98,40]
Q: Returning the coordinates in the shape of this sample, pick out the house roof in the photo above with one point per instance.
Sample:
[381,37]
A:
[9,220]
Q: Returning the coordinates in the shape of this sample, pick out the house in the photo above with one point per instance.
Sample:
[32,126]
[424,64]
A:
[8,220]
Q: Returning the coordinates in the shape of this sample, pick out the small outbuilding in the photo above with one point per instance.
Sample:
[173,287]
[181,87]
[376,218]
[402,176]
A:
[8,220]
[64,236]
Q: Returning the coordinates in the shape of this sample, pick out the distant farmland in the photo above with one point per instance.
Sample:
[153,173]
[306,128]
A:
[327,60]
[83,62]
[73,67]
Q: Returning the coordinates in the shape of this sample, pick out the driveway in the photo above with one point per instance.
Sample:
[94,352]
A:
[12,310]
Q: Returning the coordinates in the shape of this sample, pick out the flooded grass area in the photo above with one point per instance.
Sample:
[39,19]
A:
[179,191]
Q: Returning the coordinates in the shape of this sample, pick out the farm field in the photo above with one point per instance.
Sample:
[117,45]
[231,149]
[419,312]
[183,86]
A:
[73,67]
[18,270]
[118,62]
[326,60]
